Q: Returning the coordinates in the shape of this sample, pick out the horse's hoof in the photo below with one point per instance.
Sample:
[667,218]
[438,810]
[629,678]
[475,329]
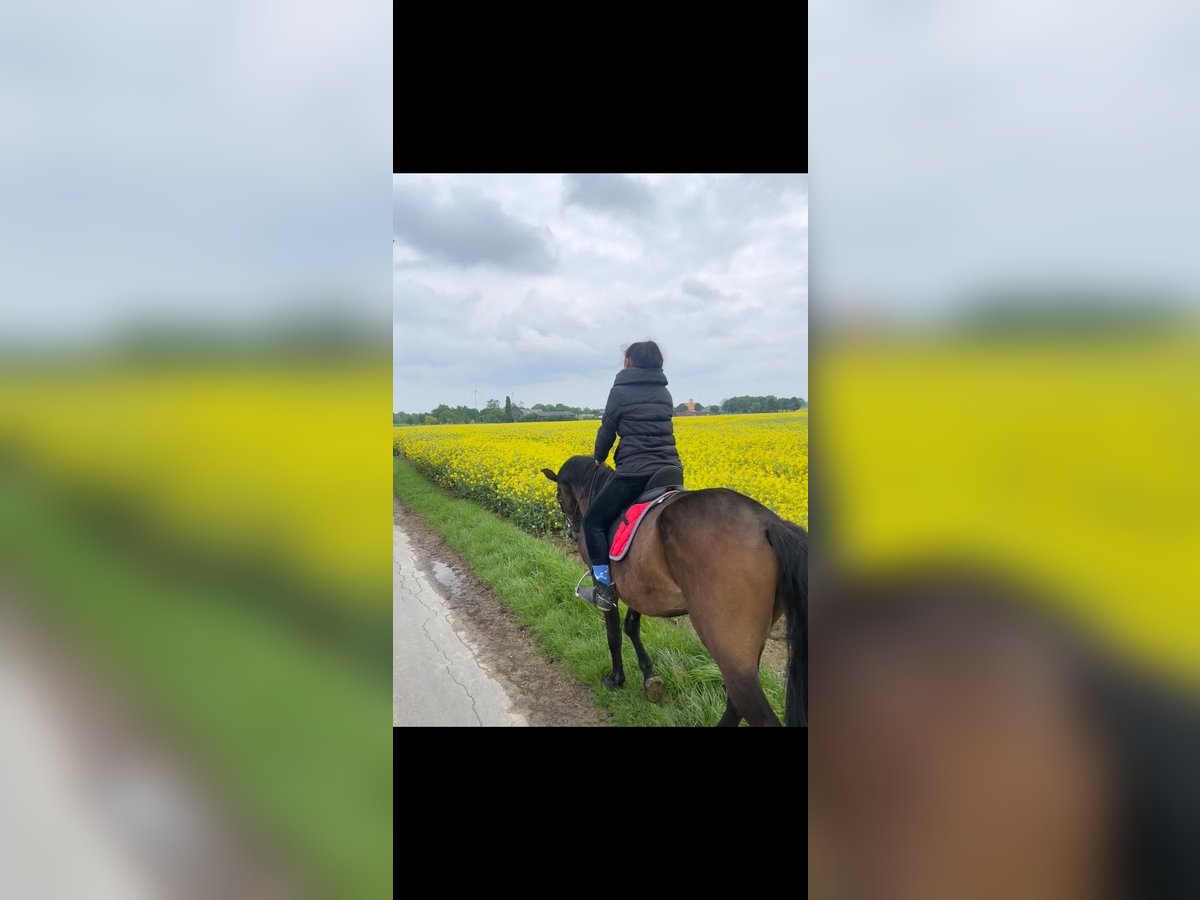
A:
[654,688]
[611,683]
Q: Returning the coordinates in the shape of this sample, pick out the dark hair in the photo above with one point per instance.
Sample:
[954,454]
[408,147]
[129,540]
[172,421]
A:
[644,355]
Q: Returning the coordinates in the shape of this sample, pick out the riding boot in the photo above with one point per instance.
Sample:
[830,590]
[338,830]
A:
[602,596]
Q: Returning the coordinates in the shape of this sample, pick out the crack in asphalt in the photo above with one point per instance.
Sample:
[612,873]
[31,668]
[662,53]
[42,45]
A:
[414,585]
[438,647]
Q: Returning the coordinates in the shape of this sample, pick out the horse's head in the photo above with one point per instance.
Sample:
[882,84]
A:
[574,481]
[568,503]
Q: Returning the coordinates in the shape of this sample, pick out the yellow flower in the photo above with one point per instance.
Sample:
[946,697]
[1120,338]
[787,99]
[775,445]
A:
[500,466]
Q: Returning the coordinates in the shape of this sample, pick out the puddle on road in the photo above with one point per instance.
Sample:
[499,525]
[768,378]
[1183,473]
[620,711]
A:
[445,576]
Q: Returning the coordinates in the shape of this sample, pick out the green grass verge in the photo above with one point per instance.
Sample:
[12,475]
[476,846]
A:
[536,580]
[294,736]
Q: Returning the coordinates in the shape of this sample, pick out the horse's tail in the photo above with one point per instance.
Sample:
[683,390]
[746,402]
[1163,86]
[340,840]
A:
[790,543]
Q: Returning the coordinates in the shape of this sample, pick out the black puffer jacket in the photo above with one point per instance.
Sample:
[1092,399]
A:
[639,409]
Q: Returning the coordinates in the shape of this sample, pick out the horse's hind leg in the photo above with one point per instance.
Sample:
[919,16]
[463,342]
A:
[612,623]
[736,648]
[652,683]
[731,718]
[746,695]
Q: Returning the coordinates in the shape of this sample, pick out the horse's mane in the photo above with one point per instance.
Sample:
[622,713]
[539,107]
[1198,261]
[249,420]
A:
[580,470]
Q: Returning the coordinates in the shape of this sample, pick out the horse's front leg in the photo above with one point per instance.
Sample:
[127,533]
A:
[651,682]
[612,622]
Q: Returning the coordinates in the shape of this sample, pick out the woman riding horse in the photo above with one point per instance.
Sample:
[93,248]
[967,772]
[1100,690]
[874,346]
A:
[639,410]
[723,559]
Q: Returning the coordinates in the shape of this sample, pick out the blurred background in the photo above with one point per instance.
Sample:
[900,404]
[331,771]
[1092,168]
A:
[1005,372]
[194,357]
[194,664]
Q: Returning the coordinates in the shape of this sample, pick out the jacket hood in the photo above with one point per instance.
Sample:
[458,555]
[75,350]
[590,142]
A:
[641,376]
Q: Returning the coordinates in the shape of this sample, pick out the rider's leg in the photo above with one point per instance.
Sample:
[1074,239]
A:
[608,503]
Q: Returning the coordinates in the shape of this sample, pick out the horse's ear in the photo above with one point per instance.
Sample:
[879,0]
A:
[550,475]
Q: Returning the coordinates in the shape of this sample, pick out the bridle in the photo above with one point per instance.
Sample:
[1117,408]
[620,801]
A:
[572,525]
[575,525]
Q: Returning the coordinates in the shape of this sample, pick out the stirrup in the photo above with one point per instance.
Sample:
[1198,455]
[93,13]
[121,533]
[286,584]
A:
[588,595]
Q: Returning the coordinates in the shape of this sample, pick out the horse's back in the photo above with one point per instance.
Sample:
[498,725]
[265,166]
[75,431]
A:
[704,553]
[644,577]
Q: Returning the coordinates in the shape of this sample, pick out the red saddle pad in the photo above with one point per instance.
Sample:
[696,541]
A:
[629,525]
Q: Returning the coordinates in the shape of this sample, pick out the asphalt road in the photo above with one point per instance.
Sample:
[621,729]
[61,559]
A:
[436,677]
[93,802]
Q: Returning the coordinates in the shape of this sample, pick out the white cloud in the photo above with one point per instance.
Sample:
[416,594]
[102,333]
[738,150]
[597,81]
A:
[712,267]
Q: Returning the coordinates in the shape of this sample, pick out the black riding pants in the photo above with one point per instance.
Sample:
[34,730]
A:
[610,502]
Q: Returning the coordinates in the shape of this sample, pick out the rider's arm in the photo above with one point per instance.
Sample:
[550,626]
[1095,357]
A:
[608,427]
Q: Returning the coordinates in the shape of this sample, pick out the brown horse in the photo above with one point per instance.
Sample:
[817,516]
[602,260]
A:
[721,558]
[976,742]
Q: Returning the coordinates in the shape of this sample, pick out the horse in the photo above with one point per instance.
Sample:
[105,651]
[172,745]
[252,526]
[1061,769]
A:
[977,740]
[723,559]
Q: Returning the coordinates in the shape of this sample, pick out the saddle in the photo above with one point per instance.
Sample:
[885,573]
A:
[663,484]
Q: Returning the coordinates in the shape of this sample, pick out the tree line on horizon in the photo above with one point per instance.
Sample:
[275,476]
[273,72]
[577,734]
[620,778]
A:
[495,413]
[769,403]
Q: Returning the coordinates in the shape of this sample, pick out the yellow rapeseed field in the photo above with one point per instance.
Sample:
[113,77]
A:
[1069,463]
[264,464]
[500,466]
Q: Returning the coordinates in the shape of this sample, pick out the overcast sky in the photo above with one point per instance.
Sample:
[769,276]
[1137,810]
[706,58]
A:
[192,162]
[1029,145]
[529,285]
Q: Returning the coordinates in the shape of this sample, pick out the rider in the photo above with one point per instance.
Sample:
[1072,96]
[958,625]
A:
[639,410]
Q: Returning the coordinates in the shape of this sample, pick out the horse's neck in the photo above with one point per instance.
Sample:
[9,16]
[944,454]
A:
[591,490]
